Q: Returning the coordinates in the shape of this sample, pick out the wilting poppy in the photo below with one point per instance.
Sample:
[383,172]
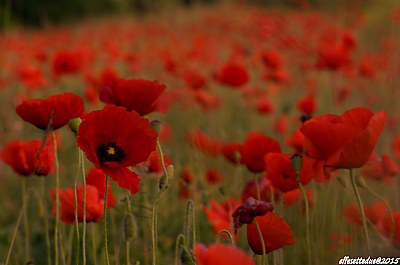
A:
[114,139]
[255,147]
[29,157]
[275,231]
[221,254]
[345,141]
[232,74]
[63,107]
[139,95]
[280,172]
[97,178]
[251,208]
[94,204]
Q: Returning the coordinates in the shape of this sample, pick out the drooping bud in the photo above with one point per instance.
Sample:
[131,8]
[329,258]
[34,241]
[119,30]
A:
[74,124]
[129,227]
[360,181]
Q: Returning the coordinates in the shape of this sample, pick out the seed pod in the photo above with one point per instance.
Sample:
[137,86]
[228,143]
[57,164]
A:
[129,227]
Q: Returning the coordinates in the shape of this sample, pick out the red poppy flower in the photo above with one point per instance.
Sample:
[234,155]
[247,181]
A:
[345,141]
[154,163]
[194,80]
[64,107]
[385,228]
[231,152]
[307,105]
[396,146]
[221,254]
[352,215]
[281,124]
[255,147]
[272,59]
[219,214]
[280,172]
[232,74]
[275,232]
[214,176]
[30,76]
[114,139]
[382,169]
[290,198]
[97,178]
[94,204]
[296,141]
[139,95]
[264,188]
[29,157]
[333,57]
[203,142]
[66,62]
[206,100]
[264,105]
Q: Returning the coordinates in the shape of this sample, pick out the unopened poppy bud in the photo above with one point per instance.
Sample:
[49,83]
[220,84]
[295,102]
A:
[74,124]
[187,258]
[342,181]
[156,125]
[297,162]
[360,181]
[129,227]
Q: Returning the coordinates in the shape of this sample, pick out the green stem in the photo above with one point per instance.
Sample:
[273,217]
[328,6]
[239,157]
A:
[57,221]
[46,221]
[76,211]
[361,209]
[84,209]
[21,212]
[105,222]
[93,239]
[25,220]
[127,252]
[224,231]
[307,213]
[264,255]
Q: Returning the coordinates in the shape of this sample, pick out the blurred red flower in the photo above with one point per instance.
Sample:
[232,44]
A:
[383,169]
[38,112]
[255,147]
[154,163]
[114,139]
[29,157]
[345,141]
[200,140]
[94,204]
[264,187]
[275,231]
[272,59]
[396,146]
[66,62]
[219,214]
[232,74]
[280,172]
[385,228]
[97,178]
[221,254]
[307,105]
[214,176]
[139,95]
[231,151]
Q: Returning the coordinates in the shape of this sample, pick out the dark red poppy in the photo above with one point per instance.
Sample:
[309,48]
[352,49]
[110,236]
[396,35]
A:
[66,62]
[139,95]
[231,151]
[385,228]
[221,254]
[251,208]
[232,74]
[94,204]
[114,139]
[64,107]
[255,147]
[345,141]
[214,176]
[307,105]
[333,57]
[275,231]
[29,157]
[97,178]
[219,214]
[280,172]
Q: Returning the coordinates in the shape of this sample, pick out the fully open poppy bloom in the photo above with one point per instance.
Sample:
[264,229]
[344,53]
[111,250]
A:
[255,147]
[38,112]
[97,178]
[275,231]
[345,141]
[114,139]
[28,157]
[232,74]
[280,172]
[94,204]
[139,95]
[221,254]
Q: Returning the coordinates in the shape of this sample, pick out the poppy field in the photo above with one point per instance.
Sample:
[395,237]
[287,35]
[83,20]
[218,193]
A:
[222,135]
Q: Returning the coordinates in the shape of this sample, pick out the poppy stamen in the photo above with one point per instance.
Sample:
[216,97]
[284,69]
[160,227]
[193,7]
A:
[109,152]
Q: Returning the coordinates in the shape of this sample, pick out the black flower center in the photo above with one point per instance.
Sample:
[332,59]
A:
[109,152]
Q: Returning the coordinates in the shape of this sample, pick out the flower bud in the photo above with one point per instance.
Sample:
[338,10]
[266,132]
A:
[129,227]
[74,124]
[156,125]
